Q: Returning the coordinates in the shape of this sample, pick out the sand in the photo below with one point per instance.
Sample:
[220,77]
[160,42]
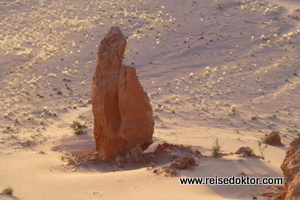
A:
[224,69]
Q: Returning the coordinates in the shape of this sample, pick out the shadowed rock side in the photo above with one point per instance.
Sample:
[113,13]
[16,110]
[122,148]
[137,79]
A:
[291,170]
[122,111]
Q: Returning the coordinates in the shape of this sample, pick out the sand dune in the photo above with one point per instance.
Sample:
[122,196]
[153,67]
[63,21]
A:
[224,69]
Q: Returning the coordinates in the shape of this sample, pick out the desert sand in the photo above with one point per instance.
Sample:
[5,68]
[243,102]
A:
[223,69]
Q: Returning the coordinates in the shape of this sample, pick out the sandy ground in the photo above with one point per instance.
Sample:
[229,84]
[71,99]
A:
[223,69]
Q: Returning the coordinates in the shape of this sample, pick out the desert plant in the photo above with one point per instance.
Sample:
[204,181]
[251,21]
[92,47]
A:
[203,104]
[262,148]
[77,125]
[59,92]
[220,6]
[254,118]
[232,110]
[273,116]
[216,149]
[8,190]
[80,132]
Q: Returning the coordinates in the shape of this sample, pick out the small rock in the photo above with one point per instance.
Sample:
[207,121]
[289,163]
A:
[245,151]
[197,152]
[273,139]
[165,145]
[42,152]
[159,150]
[185,162]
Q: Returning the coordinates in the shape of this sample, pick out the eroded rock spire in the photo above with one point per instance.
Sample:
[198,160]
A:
[122,111]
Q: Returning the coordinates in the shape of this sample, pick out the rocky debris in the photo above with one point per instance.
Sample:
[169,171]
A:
[186,162]
[135,153]
[245,152]
[166,159]
[166,170]
[197,153]
[162,148]
[274,193]
[273,139]
[122,111]
[182,163]
[84,158]
[291,170]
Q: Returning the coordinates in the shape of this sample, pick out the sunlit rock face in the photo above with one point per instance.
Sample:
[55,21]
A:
[123,117]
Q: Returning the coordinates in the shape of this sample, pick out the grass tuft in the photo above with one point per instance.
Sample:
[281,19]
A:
[78,127]
[216,149]
[8,190]
[220,6]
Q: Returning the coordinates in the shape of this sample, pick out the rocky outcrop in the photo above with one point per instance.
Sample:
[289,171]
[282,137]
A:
[291,170]
[122,110]
[273,139]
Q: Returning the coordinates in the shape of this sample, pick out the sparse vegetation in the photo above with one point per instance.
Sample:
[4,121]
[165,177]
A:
[216,149]
[59,92]
[80,132]
[262,148]
[253,118]
[232,110]
[220,6]
[8,190]
[155,116]
[77,125]
[78,128]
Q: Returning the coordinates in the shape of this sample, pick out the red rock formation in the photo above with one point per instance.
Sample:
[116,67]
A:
[122,110]
[291,170]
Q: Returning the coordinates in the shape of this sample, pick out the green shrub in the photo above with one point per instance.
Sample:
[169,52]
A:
[80,132]
[78,127]
[8,191]
[216,149]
